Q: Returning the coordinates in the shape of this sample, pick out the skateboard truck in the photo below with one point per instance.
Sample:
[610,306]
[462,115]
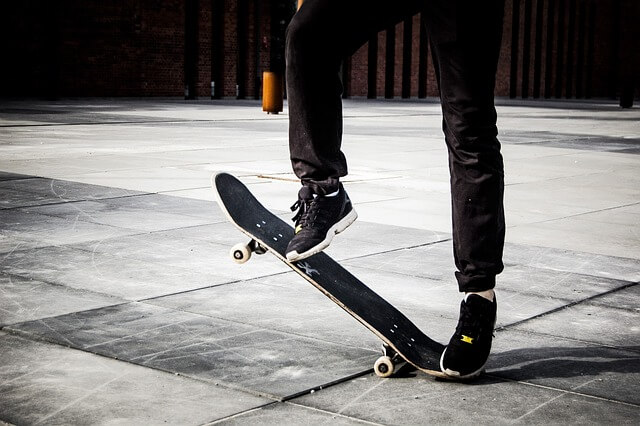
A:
[387,364]
[241,252]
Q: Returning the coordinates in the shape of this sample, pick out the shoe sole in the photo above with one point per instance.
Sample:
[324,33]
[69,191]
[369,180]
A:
[337,228]
[456,375]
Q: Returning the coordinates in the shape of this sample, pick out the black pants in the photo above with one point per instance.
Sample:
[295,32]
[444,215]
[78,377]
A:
[465,40]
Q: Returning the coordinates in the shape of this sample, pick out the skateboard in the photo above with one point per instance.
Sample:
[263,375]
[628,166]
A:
[403,342]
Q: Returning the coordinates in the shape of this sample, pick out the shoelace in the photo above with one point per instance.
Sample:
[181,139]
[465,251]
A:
[467,322]
[303,206]
[310,212]
[470,323]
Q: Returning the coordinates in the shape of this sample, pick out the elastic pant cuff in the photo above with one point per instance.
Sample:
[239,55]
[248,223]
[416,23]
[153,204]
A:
[468,284]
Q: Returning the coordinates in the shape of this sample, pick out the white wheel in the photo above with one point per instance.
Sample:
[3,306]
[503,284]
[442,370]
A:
[383,367]
[240,253]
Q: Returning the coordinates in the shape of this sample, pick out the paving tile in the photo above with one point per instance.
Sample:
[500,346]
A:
[61,167]
[200,194]
[60,191]
[565,285]
[595,321]
[515,136]
[627,299]
[431,261]
[620,268]
[284,303]
[147,180]
[9,243]
[576,409]
[575,181]
[599,144]
[569,121]
[526,154]
[12,176]
[618,216]
[432,212]
[175,249]
[22,228]
[365,238]
[23,299]
[568,364]
[257,167]
[107,274]
[222,232]
[170,204]
[44,383]
[565,197]
[12,198]
[220,155]
[399,167]
[422,400]
[218,351]
[583,235]
[289,413]
[117,216]
[391,236]
[539,271]
[547,168]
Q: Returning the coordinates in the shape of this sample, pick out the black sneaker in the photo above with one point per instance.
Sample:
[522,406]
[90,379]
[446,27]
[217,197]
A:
[468,350]
[318,219]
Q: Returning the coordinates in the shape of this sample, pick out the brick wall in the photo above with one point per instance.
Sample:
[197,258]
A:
[93,48]
[551,48]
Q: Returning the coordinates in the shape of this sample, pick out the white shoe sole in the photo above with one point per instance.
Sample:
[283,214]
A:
[456,375]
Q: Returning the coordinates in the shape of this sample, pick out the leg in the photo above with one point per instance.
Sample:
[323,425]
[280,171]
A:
[466,68]
[320,36]
[466,65]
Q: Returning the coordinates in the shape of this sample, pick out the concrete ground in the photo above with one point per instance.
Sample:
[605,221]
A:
[119,303]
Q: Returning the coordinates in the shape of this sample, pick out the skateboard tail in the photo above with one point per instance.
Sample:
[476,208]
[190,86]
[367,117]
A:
[218,180]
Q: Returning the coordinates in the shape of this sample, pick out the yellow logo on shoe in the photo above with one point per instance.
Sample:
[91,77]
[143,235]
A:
[467,339]
[298,228]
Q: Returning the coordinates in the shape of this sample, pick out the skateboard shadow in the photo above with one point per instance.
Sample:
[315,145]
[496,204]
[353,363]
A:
[563,362]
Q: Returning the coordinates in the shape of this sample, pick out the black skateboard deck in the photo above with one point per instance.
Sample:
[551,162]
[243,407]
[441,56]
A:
[403,341]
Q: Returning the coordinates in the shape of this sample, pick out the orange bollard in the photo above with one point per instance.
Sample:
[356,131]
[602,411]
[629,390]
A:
[272,92]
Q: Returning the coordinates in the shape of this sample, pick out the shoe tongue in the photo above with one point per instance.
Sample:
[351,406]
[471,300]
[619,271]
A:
[305,193]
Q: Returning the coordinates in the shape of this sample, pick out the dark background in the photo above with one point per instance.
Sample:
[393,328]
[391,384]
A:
[219,48]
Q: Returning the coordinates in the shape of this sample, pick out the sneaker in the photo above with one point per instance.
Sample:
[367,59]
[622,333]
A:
[468,350]
[318,219]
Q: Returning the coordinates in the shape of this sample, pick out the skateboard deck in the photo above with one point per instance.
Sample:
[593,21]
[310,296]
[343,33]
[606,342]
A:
[402,340]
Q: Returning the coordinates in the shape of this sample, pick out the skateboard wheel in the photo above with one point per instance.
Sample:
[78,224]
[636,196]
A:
[383,367]
[240,253]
